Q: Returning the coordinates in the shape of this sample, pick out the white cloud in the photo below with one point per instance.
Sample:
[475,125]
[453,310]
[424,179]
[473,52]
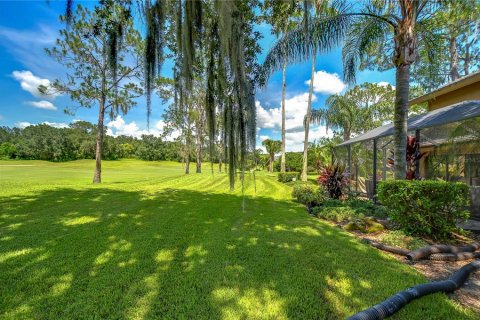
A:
[30,83]
[294,140]
[118,127]
[22,124]
[327,83]
[385,84]
[56,124]
[43,104]
[295,111]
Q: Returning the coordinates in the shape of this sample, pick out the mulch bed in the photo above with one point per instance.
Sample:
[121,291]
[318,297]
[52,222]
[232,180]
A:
[468,295]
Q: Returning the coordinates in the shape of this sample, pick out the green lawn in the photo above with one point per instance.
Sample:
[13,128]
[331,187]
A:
[152,243]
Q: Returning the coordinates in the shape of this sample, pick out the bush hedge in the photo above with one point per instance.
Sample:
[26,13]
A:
[429,208]
[288,176]
[309,194]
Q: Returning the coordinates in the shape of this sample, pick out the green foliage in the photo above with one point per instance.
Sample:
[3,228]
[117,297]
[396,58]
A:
[7,150]
[293,162]
[347,210]
[308,194]
[359,109]
[288,176]
[78,141]
[429,208]
[399,238]
[365,225]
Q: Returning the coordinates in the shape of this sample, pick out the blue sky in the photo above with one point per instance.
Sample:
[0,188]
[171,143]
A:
[27,27]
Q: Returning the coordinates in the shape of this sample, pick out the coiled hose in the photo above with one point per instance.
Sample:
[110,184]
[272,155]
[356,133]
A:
[399,300]
[441,248]
[454,256]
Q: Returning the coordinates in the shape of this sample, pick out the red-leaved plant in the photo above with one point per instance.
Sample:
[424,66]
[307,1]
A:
[413,155]
[334,178]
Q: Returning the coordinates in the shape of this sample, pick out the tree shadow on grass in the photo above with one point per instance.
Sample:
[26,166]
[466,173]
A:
[104,253]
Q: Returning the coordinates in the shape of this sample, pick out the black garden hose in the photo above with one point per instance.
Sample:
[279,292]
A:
[454,256]
[390,249]
[399,300]
[441,248]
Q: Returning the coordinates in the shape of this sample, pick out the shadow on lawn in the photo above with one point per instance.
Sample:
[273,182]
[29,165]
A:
[103,253]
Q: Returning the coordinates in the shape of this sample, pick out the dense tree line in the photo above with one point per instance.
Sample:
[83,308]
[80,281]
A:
[78,141]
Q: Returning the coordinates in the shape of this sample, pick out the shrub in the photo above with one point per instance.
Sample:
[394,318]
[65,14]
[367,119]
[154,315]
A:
[342,211]
[308,194]
[398,238]
[288,176]
[429,208]
[334,178]
[365,225]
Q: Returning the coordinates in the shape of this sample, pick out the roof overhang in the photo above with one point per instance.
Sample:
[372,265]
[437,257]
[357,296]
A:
[456,112]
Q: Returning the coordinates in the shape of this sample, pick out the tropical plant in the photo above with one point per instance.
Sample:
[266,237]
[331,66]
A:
[382,34]
[282,16]
[82,48]
[272,147]
[360,109]
[334,178]
[413,155]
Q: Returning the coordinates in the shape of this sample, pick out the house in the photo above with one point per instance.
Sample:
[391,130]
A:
[448,136]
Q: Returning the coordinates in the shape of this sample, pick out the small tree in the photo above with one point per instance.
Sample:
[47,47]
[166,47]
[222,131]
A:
[272,146]
[98,75]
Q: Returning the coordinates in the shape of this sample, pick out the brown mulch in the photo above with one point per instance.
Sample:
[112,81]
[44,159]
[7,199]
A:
[468,295]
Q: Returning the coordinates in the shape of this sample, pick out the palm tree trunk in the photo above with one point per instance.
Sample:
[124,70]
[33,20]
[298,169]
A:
[400,120]
[304,175]
[272,159]
[284,88]
[97,176]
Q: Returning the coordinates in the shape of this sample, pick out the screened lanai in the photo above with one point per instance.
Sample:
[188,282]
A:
[448,145]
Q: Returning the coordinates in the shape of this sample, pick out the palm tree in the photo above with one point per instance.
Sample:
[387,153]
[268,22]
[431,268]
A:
[281,15]
[361,108]
[273,147]
[304,174]
[384,33]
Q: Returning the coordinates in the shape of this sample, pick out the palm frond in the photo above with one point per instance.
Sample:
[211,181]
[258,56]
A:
[298,45]
[364,33]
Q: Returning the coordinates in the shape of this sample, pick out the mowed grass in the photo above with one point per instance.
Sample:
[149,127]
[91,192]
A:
[153,243]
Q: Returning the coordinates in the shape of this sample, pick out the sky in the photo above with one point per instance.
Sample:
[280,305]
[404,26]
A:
[28,27]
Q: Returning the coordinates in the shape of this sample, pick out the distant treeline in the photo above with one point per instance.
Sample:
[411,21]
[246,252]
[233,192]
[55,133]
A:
[78,141]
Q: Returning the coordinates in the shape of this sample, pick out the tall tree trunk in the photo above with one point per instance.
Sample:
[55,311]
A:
[284,88]
[97,177]
[272,159]
[304,175]
[454,75]
[400,120]
[220,164]
[198,151]
[187,154]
